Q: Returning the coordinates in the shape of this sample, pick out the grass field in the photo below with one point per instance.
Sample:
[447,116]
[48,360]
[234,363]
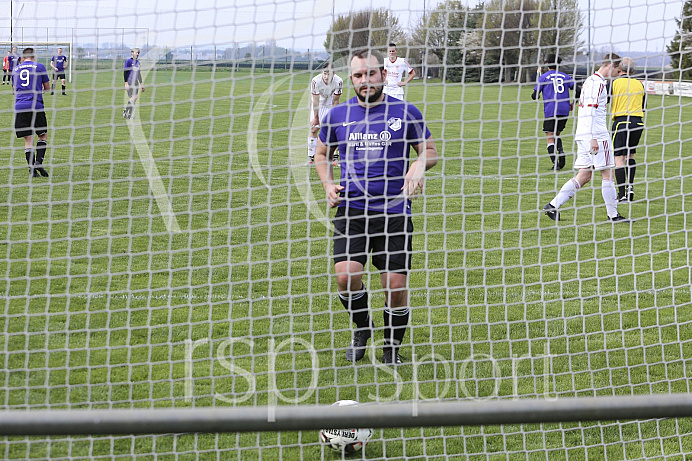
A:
[103,296]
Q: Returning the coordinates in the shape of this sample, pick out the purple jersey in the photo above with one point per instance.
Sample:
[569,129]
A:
[555,87]
[131,74]
[28,79]
[374,145]
[14,61]
[59,62]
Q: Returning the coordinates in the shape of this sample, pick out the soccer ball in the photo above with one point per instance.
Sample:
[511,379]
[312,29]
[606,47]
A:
[345,441]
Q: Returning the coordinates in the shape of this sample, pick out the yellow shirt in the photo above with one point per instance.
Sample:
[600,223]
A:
[628,97]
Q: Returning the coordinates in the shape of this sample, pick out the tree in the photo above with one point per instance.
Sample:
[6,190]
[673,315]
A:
[373,28]
[680,48]
[445,33]
[517,32]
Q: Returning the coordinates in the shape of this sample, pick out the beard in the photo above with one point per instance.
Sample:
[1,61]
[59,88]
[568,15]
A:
[369,98]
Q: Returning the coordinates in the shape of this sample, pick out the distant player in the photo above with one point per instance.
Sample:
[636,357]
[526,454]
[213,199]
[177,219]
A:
[133,81]
[628,105]
[14,61]
[397,69]
[30,79]
[594,151]
[6,69]
[554,86]
[59,63]
[325,91]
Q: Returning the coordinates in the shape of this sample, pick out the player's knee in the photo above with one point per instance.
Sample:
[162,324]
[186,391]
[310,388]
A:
[349,282]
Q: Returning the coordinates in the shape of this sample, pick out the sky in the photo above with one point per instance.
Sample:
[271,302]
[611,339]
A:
[626,25]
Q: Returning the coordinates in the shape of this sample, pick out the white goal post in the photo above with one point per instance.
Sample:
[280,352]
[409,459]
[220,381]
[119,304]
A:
[45,50]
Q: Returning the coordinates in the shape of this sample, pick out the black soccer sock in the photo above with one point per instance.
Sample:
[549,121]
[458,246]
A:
[395,322]
[63,88]
[559,146]
[29,153]
[632,164]
[356,303]
[551,152]
[40,152]
[620,179]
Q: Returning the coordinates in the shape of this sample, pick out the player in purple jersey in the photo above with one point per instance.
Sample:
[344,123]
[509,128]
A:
[59,63]
[555,86]
[374,134]
[13,61]
[133,81]
[30,79]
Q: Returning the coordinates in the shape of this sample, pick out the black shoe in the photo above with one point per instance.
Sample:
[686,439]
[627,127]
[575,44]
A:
[551,212]
[127,114]
[51,93]
[42,171]
[33,173]
[618,218]
[630,193]
[64,94]
[356,350]
[391,356]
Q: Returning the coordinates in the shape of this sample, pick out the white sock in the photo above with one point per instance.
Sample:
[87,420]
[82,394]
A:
[567,192]
[312,146]
[610,197]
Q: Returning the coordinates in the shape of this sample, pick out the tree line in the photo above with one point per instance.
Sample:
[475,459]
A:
[494,41]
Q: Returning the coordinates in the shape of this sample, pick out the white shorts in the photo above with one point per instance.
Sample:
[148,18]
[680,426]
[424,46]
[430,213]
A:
[323,113]
[602,160]
[394,91]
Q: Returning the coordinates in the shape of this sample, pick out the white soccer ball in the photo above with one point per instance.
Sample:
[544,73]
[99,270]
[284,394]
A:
[345,441]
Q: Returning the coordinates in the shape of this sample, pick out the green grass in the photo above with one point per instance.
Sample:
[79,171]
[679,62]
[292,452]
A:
[100,299]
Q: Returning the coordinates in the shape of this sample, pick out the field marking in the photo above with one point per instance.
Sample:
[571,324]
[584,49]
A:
[147,159]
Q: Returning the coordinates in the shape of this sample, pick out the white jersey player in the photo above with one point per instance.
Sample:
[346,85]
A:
[325,91]
[397,70]
[594,148]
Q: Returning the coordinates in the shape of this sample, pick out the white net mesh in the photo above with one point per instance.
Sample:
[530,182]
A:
[183,257]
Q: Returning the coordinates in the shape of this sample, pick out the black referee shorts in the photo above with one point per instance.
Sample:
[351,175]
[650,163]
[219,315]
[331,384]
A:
[627,131]
[387,236]
[26,123]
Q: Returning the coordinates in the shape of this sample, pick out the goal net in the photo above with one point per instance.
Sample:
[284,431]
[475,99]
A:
[181,252]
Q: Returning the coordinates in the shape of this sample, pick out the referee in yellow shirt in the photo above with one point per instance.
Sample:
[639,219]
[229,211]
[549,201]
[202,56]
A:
[627,105]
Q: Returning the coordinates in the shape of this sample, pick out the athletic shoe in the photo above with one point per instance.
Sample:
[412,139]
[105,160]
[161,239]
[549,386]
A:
[311,161]
[391,356]
[127,114]
[51,93]
[33,173]
[64,94]
[356,350]
[42,171]
[618,218]
[623,199]
[551,212]
[630,193]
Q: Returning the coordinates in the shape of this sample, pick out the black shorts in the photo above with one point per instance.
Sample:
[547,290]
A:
[60,75]
[388,236]
[134,89]
[627,131]
[554,124]
[26,123]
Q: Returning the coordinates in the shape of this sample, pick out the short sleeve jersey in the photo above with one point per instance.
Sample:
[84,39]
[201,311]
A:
[14,61]
[555,86]
[374,145]
[591,120]
[59,62]
[326,90]
[28,79]
[396,71]
[628,97]
[132,69]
